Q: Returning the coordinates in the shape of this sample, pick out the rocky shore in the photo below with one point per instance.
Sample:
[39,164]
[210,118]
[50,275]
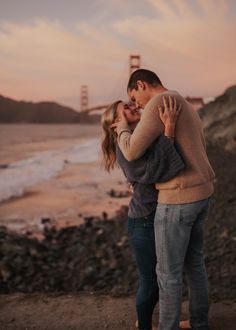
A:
[97,256]
[93,256]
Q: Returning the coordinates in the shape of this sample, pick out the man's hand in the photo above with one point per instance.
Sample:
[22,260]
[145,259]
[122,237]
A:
[169,115]
[120,123]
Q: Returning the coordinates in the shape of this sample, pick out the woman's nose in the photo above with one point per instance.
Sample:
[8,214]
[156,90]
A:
[133,105]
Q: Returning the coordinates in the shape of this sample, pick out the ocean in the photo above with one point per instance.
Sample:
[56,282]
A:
[34,166]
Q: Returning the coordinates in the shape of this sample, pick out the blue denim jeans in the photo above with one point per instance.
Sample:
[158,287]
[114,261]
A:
[179,245]
[141,232]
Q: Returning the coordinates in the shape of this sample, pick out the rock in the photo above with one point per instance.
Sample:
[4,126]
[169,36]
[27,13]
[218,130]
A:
[45,220]
[119,194]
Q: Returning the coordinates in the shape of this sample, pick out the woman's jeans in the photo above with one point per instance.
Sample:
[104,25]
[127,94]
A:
[141,231]
[179,244]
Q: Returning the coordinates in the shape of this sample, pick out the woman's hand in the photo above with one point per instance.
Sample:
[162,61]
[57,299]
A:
[169,115]
[120,123]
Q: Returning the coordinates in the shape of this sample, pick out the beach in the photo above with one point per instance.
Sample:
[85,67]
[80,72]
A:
[54,172]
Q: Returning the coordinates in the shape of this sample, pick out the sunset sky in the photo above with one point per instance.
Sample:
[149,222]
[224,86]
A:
[49,48]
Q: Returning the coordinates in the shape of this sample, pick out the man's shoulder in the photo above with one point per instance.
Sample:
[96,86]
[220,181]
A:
[157,99]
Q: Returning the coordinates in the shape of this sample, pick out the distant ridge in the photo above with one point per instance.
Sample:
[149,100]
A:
[12,111]
[219,118]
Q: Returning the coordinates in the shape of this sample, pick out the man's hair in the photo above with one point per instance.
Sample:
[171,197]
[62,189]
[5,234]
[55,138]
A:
[144,75]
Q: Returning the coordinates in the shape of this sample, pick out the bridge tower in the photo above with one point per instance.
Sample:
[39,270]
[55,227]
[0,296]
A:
[134,63]
[83,98]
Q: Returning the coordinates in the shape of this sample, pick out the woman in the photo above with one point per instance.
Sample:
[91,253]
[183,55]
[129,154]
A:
[160,163]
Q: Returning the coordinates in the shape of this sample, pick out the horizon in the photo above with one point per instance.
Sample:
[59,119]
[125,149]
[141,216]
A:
[206,100]
[49,49]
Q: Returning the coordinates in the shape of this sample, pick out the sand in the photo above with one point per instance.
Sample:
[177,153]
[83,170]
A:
[70,312]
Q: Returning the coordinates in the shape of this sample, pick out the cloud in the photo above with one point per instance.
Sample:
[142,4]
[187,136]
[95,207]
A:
[46,60]
[192,51]
[190,46]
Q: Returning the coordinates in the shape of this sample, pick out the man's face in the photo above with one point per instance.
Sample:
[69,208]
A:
[141,95]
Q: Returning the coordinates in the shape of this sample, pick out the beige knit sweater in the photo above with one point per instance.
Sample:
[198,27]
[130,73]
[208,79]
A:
[195,182]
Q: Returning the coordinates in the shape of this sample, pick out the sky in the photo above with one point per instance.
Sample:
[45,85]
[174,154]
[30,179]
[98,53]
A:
[49,48]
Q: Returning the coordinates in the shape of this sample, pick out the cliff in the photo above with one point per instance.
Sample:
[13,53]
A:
[219,119]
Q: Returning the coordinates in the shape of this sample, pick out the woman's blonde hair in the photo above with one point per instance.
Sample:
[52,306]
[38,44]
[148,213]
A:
[109,138]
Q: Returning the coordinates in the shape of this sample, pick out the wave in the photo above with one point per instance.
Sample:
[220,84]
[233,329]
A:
[23,174]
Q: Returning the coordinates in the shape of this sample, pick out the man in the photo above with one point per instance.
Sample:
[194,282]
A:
[182,202]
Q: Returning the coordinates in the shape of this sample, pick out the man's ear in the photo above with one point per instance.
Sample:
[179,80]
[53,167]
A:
[141,85]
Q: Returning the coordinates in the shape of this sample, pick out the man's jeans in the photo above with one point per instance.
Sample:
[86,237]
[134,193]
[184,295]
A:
[141,231]
[179,244]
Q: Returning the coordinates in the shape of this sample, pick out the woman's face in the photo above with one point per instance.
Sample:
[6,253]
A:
[132,113]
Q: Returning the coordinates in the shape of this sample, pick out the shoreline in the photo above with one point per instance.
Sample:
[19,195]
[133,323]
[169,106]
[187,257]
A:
[80,188]
[65,199]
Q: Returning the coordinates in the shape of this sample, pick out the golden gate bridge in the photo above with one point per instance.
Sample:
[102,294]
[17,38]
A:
[134,64]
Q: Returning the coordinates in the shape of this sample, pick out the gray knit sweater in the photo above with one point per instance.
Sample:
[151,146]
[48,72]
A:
[160,163]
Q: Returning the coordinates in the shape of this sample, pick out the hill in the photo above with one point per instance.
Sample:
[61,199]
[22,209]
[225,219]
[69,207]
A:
[219,119]
[12,111]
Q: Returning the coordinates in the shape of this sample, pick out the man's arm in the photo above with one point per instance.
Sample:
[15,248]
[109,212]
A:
[134,145]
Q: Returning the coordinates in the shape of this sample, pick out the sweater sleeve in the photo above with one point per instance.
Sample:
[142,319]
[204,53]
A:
[148,129]
[159,164]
